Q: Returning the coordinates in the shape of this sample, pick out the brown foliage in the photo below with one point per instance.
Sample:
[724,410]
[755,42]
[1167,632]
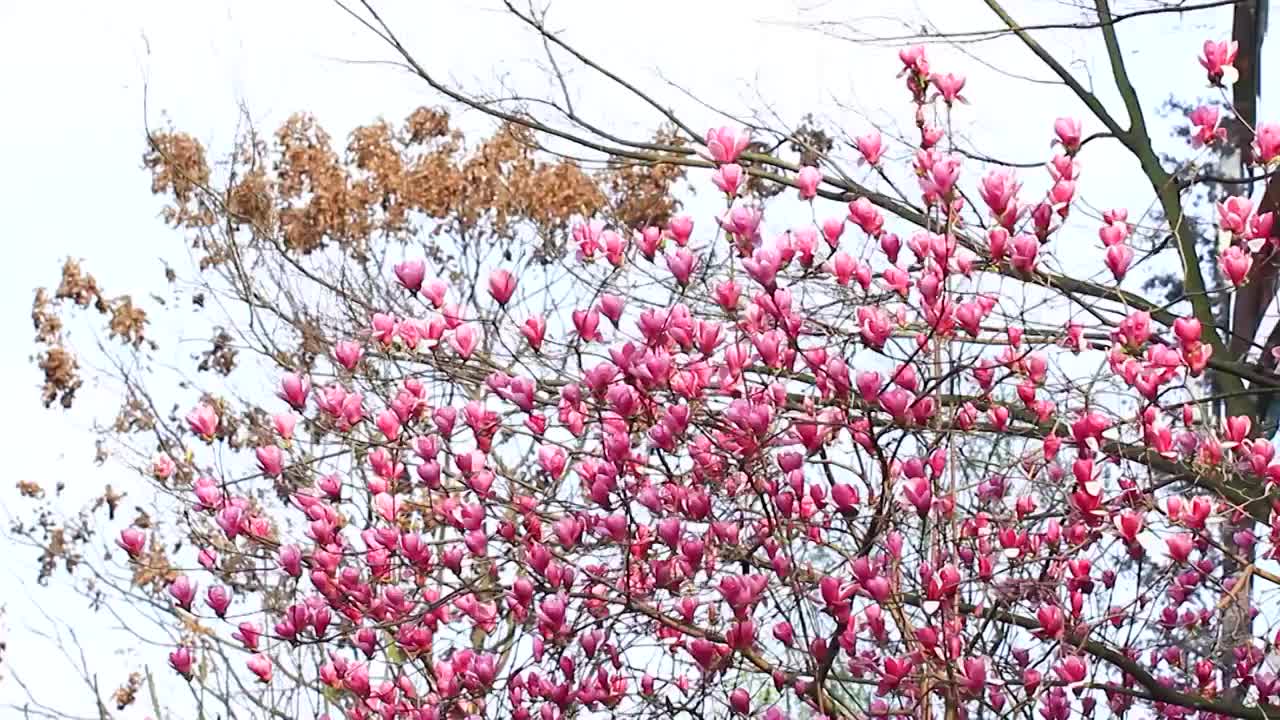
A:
[642,190]
[127,693]
[178,168]
[386,183]
[126,322]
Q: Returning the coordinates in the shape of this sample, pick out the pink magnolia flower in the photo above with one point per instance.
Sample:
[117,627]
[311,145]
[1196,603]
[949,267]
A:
[874,326]
[763,265]
[208,559]
[502,285]
[916,490]
[387,505]
[1187,330]
[1061,195]
[611,306]
[291,560]
[842,266]
[163,467]
[203,421]
[615,247]
[587,323]
[434,291]
[248,634]
[1236,262]
[1218,60]
[182,661]
[1031,679]
[183,591]
[1262,226]
[294,389]
[1051,620]
[728,178]
[347,353]
[973,676]
[260,665]
[725,144]
[891,245]
[1234,214]
[1072,670]
[1068,131]
[465,339]
[998,188]
[949,86]
[832,229]
[727,295]
[284,424]
[1025,250]
[1128,525]
[552,459]
[784,633]
[681,263]
[1113,233]
[680,228]
[899,281]
[804,241]
[742,220]
[938,177]
[1118,259]
[1205,121]
[914,60]
[649,241]
[866,216]
[383,327]
[1064,167]
[270,460]
[356,680]
[410,273]
[1179,547]
[208,493]
[132,541]
[740,701]
[871,146]
[219,600]
[1266,143]
[807,181]
[588,236]
[1237,428]
[534,330]
[930,135]
[388,423]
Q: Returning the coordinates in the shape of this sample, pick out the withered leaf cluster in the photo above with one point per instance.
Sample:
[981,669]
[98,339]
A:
[389,182]
[78,289]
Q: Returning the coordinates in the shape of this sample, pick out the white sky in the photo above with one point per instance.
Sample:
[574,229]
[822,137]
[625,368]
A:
[72,138]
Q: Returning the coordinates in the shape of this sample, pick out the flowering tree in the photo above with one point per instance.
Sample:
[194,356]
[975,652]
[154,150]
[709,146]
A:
[896,461]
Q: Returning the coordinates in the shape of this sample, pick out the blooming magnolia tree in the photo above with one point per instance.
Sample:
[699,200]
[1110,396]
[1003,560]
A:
[893,462]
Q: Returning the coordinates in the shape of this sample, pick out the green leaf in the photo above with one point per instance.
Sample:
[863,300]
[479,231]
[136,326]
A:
[394,653]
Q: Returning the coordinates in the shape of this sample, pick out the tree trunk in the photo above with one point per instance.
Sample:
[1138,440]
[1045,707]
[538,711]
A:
[1248,307]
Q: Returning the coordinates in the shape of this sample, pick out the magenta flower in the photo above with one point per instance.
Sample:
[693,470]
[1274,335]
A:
[410,273]
[1218,60]
[502,285]
[725,144]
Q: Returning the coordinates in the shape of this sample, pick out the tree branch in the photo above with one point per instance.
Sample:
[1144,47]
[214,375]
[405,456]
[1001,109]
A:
[1089,99]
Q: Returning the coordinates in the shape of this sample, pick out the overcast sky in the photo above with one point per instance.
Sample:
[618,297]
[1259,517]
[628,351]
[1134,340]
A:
[73,90]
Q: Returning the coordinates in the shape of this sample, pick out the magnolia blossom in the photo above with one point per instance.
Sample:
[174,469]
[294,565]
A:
[726,144]
[1218,60]
[1266,143]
